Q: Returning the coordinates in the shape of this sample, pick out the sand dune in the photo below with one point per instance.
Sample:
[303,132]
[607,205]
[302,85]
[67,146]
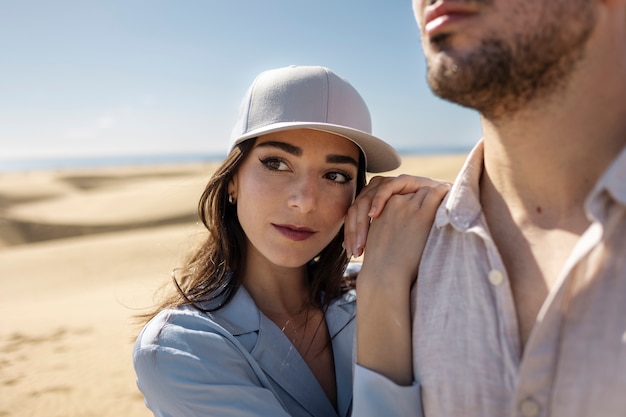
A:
[45,206]
[80,253]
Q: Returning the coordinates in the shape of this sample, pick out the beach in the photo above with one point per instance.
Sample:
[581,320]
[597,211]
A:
[82,251]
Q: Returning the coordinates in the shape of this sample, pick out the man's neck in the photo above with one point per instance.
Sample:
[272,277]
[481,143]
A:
[547,158]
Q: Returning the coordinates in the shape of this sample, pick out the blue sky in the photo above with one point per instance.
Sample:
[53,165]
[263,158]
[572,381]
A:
[118,77]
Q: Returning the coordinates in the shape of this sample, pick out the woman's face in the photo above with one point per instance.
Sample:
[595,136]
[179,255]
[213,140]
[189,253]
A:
[293,191]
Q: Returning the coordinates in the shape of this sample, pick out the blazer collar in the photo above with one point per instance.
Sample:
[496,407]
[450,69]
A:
[240,315]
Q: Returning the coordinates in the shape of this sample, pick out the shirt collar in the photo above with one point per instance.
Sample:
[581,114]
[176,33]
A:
[610,188]
[462,204]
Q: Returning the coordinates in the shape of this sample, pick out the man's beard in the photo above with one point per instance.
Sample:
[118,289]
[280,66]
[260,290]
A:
[503,76]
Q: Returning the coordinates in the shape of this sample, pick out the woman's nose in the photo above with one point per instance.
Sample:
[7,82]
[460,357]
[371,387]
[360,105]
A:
[304,194]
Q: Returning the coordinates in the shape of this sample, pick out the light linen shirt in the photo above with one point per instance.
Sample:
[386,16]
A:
[237,362]
[468,357]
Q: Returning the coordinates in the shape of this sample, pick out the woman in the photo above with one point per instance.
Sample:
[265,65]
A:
[261,324]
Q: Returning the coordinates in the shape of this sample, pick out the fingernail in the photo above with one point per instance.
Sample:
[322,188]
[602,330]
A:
[357,248]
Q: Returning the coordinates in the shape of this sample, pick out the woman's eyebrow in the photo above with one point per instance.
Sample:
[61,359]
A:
[294,150]
[341,159]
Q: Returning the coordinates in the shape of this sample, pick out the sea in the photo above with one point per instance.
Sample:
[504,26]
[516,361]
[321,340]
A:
[67,163]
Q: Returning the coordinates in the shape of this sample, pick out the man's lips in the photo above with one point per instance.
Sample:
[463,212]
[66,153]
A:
[294,232]
[440,17]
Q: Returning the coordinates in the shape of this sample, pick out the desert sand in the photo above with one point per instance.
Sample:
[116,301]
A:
[82,252]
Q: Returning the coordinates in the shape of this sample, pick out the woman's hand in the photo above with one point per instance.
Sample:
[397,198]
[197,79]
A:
[370,203]
[397,236]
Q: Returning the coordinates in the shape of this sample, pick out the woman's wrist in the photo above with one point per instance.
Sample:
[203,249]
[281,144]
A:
[388,284]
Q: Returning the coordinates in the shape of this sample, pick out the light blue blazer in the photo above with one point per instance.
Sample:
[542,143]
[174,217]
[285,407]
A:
[237,362]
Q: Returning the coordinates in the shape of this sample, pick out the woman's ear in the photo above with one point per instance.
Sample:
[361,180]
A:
[232,189]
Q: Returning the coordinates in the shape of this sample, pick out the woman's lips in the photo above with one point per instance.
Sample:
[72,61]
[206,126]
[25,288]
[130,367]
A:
[294,232]
[440,18]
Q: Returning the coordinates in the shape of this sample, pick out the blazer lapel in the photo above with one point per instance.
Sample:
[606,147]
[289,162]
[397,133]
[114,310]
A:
[341,325]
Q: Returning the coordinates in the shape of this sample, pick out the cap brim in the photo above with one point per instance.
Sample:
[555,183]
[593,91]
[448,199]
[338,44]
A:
[379,156]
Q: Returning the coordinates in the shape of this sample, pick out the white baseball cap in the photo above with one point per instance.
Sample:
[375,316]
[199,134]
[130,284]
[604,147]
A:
[303,97]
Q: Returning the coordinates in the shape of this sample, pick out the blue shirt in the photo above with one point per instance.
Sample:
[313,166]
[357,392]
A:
[236,362]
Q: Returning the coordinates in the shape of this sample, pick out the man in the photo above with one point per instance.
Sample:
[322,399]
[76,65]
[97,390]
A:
[520,305]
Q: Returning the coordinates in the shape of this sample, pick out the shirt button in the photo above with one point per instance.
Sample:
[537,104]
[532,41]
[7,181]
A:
[495,277]
[529,408]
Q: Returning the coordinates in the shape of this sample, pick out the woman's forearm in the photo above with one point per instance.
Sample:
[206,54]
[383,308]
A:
[384,328]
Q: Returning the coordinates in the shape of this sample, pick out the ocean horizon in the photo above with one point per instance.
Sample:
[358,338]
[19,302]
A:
[20,164]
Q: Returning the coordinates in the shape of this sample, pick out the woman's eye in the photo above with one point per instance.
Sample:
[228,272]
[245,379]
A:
[275,164]
[338,177]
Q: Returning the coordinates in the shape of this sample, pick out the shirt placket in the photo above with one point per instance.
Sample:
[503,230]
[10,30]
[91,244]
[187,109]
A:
[497,278]
[539,364]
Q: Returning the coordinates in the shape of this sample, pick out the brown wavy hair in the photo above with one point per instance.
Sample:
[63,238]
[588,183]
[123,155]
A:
[210,275]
